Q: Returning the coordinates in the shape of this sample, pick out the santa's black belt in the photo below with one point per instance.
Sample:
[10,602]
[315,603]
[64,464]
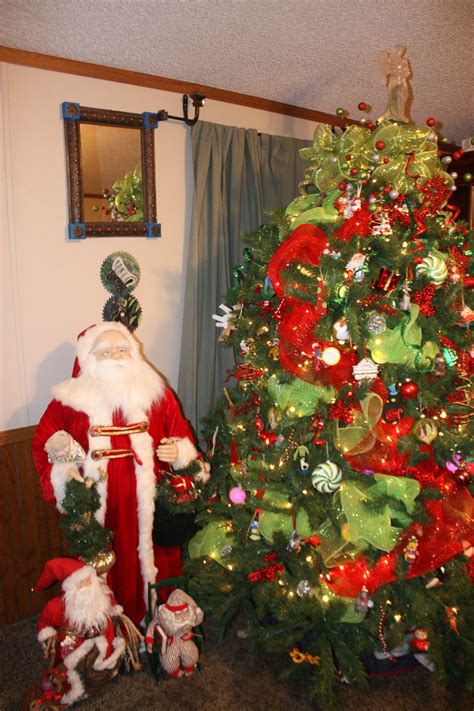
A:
[98,454]
[113,430]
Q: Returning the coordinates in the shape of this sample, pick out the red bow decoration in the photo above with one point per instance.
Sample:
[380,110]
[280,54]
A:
[438,541]
[359,225]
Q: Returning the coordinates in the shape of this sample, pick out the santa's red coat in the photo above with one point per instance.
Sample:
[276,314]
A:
[53,621]
[125,513]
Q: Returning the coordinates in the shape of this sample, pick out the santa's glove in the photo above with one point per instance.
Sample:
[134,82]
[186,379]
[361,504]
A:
[62,447]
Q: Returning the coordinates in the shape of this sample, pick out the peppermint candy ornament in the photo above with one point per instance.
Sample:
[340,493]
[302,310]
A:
[327,477]
[434,267]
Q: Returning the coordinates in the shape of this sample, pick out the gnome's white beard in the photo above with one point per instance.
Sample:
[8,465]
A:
[126,384]
[89,606]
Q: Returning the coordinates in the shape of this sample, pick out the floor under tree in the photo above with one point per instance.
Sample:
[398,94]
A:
[231,680]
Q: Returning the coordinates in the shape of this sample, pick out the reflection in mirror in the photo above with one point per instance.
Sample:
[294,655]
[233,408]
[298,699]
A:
[111,172]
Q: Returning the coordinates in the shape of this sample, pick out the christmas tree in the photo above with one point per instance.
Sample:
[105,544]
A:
[339,513]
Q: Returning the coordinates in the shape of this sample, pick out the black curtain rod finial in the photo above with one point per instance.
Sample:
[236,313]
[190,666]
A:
[198,101]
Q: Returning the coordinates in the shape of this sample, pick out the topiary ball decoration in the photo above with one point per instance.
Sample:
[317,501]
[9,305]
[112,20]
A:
[327,477]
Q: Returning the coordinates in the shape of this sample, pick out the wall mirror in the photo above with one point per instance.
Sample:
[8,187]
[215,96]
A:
[110,160]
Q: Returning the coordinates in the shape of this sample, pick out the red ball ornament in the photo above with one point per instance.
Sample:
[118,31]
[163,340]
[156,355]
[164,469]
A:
[457,155]
[354,171]
[348,156]
[380,145]
[341,185]
[462,477]
[430,121]
[409,390]
[362,106]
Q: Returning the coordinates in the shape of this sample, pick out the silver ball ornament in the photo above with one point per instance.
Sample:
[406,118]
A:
[303,589]
[376,324]
[446,159]
[393,194]
[454,175]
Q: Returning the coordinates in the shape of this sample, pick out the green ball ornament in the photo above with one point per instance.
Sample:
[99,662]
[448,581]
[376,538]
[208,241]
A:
[340,111]
[373,208]
[467,177]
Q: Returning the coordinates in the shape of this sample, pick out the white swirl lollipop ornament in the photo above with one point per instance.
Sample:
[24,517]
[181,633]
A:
[327,477]
[434,267]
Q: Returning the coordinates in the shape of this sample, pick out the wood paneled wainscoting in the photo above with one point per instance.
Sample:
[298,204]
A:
[29,529]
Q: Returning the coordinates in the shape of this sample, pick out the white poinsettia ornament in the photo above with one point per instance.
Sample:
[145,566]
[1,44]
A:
[226,320]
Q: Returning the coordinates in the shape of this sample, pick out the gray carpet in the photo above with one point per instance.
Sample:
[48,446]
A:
[231,680]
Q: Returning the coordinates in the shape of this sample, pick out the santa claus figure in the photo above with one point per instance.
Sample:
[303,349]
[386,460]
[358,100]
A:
[78,631]
[115,423]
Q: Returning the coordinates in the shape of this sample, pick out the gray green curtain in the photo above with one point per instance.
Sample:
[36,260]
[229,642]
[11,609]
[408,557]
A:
[238,175]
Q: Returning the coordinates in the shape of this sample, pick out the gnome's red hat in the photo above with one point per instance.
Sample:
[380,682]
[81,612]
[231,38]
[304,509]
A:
[58,569]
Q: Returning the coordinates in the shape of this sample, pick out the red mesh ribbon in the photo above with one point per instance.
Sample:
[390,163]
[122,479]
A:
[359,225]
[439,540]
[299,347]
[305,245]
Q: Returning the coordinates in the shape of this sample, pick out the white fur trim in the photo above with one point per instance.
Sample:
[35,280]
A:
[187,453]
[76,690]
[46,633]
[102,662]
[59,478]
[142,443]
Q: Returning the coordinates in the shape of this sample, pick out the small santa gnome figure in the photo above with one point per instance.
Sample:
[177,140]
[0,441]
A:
[78,631]
[172,628]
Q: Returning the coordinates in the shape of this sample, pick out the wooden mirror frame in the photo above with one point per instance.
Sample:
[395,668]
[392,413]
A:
[74,114]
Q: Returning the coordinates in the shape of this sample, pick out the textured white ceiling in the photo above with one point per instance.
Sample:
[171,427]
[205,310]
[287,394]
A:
[320,54]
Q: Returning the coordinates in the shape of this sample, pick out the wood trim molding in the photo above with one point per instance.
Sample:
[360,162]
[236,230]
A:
[20,434]
[151,81]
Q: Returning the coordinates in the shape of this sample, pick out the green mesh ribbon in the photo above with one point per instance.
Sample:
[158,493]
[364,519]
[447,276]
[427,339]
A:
[402,344]
[361,435]
[363,523]
[284,522]
[210,541]
[307,209]
[298,398]
[411,155]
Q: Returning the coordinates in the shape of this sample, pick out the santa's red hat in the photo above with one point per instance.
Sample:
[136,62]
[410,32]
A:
[61,569]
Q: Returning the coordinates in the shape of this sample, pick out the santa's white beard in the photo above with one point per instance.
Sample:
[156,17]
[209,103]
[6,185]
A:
[126,384]
[89,606]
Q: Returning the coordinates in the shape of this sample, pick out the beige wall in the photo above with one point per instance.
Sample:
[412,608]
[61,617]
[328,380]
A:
[50,288]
